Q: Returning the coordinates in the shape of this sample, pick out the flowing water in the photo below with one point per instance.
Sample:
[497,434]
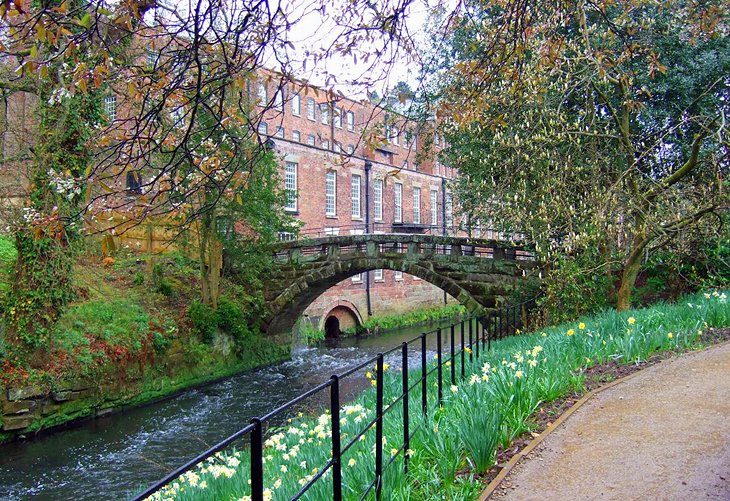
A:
[112,457]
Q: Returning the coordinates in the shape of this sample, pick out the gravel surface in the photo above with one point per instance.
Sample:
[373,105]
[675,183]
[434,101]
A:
[662,435]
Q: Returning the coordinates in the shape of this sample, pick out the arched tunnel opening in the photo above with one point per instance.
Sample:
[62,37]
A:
[332,328]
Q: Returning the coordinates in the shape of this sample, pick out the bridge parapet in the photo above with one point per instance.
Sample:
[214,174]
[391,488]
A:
[410,244]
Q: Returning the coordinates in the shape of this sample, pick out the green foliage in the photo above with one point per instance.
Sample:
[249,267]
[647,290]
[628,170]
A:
[159,282]
[203,319]
[310,334]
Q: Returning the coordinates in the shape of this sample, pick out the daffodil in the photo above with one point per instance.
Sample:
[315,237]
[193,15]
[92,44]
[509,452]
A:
[570,332]
[670,335]
[519,374]
[631,320]
[581,326]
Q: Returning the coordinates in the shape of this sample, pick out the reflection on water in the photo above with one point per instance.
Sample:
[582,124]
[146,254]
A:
[116,455]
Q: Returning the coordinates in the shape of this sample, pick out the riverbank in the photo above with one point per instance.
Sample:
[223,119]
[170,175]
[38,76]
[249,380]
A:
[135,334]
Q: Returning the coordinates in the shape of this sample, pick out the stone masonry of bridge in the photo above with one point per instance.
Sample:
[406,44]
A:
[480,274]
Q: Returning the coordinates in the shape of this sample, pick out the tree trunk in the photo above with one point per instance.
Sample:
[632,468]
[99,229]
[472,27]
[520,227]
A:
[211,260]
[632,266]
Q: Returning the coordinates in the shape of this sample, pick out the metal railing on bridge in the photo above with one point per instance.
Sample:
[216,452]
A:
[471,338]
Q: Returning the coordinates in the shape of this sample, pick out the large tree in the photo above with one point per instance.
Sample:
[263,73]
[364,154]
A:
[597,128]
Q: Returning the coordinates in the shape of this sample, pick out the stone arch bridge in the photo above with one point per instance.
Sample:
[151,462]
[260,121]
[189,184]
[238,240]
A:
[478,273]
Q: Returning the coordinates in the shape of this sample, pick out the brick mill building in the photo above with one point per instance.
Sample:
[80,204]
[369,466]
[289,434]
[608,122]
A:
[351,167]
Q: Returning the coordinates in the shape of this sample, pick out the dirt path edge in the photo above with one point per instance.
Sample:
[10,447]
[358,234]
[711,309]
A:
[497,481]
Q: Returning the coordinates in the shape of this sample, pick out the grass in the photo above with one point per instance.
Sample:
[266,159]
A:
[7,258]
[458,440]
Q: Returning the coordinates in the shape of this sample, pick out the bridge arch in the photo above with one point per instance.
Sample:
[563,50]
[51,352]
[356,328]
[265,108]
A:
[478,278]
[343,310]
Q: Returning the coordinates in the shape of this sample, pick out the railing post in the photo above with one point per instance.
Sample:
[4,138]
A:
[476,334]
[453,361]
[406,420]
[424,376]
[336,443]
[379,428]
[463,372]
[471,341]
[257,461]
[439,367]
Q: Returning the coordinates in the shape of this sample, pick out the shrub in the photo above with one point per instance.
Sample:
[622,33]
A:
[203,319]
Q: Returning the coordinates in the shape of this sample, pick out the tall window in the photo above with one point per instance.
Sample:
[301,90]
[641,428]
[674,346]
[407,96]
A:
[378,199]
[326,144]
[398,203]
[417,205]
[350,149]
[434,208]
[280,132]
[379,275]
[324,111]
[337,117]
[449,210]
[296,105]
[262,94]
[290,185]
[110,107]
[331,193]
[296,136]
[279,100]
[350,120]
[263,128]
[311,108]
[311,140]
[356,180]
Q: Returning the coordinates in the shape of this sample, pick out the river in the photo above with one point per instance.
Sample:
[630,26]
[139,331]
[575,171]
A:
[112,457]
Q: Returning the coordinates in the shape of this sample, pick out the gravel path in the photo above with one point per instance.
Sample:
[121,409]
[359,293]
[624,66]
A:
[662,435]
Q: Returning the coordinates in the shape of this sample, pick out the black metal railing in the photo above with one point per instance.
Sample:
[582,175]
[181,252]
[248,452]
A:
[377,227]
[453,344]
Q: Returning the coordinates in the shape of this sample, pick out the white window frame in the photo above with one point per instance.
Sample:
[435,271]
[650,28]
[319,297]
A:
[398,203]
[434,208]
[331,231]
[279,132]
[296,136]
[279,100]
[350,121]
[290,185]
[311,140]
[330,206]
[377,199]
[324,112]
[337,147]
[398,275]
[326,144]
[378,275]
[356,190]
[311,109]
[296,105]
[416,205]
[263,128]
[337,117]
[350,149]
[110,107]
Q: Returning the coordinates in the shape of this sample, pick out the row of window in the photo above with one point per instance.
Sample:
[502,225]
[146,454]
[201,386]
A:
[311,104]
[290,185]
[296,136]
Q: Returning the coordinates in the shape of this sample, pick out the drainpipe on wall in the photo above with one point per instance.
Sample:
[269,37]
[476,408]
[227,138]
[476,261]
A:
[368,166]
[443,219]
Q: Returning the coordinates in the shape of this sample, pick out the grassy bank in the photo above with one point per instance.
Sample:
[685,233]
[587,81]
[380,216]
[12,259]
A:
[455,444]
[134,334]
